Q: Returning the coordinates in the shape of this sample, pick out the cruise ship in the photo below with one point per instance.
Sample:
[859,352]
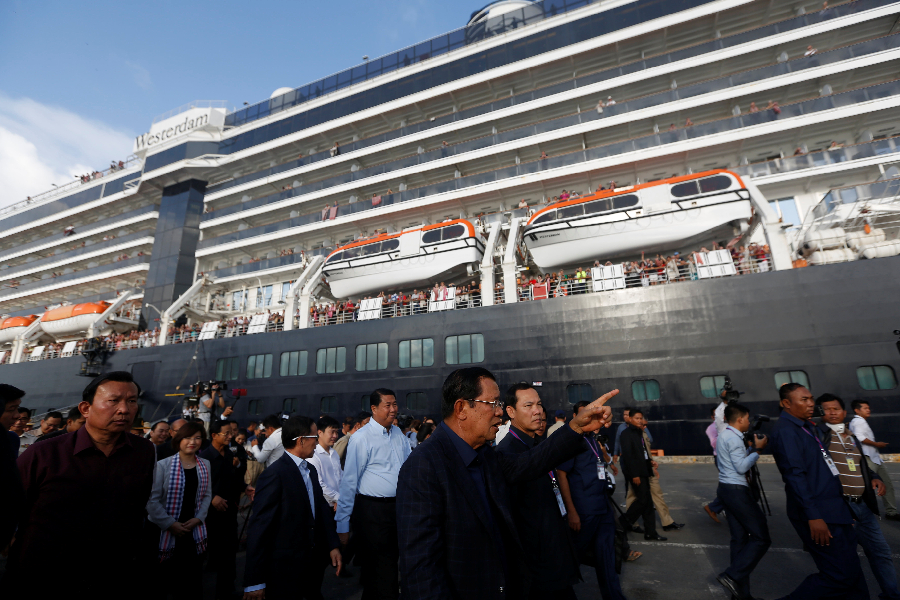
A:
[585,195]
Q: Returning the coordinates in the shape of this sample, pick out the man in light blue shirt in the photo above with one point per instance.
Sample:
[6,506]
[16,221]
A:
[749,531]
[368,493]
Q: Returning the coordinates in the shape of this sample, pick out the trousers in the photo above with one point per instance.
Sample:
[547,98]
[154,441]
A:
[642,506]
[878,552]
[840,573]
[890,502]
[374,522]
[749,533]
[657,496]
[598,534]
[222,544]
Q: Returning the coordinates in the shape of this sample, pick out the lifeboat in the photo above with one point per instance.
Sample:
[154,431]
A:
[13,326]
[648,217]
[413,258]
[76,318]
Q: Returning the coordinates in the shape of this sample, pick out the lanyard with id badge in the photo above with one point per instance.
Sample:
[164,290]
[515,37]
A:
[556,492]
[603,473]
[828,461]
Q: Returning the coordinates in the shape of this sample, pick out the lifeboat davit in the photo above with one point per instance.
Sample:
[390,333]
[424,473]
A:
[13,326]
[414,258]
[69,320]
[648,217]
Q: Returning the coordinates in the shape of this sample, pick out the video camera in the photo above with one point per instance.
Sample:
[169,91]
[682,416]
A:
[201,388]
[729,394]
[755,425]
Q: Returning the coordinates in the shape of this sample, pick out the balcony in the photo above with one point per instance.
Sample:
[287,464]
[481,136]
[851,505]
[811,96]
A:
[83,276]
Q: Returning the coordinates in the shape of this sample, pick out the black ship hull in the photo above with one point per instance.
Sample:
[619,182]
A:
[826,321]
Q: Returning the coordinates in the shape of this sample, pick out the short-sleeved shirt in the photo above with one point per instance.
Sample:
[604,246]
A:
[862,431]
[589,494]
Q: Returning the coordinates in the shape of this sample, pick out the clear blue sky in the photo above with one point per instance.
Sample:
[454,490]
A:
[123,62]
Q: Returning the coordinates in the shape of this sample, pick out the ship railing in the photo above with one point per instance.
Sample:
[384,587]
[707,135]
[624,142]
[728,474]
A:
[225,329]
[330,314]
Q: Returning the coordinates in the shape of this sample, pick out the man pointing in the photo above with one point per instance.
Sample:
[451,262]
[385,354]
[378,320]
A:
[456,531]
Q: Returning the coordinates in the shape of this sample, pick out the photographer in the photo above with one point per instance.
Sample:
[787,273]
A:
[749,531]
[208,404]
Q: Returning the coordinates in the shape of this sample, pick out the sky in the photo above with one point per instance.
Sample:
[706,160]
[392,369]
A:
[79,80]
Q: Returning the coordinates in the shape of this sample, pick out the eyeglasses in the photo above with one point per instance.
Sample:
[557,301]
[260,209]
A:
[498,404]
[305,437]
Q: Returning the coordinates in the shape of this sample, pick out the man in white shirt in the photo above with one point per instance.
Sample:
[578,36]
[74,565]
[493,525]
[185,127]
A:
[326,460]
[271,448]
[860,428]
[560,418]
[207,405]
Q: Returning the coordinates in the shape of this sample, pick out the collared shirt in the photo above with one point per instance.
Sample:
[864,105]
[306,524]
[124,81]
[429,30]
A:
[98,500]
[735,459]
[553,428]
[304,473]
[862,431]
[27,439]
[328,466]
[713,434]
[225,478]
[848,460]
[271,449]
[374,457]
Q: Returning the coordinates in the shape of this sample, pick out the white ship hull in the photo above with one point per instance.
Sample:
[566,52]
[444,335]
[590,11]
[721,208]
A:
[69,326]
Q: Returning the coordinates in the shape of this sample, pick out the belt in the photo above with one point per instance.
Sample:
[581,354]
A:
[376,498]
[854,499]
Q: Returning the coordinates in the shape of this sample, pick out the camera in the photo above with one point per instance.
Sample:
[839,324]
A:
[755,424]
[201,388]
[729,394]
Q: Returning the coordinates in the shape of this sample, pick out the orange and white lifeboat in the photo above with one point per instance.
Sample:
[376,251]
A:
[76,318]
[13,326]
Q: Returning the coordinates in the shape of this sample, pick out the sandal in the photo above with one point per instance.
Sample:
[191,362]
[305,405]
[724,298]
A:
[634,555]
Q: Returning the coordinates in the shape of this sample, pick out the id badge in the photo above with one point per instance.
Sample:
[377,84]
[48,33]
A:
[559,500]
[830,463]
[851,464]
[646,457]
[601,471]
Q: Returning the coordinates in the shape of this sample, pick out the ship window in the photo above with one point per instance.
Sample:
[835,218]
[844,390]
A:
[624,201]
[227,369]
[371,357]
[880,377]
[254,407]
[259,366]
[711,385]
[293,363]
[431,237]
[290,405]
[688,188]
[645,390]
[464,349]
[453,232]
[328,404]
[576,392]
[571,211]
[365,403]
[596,206]
[285,288]
[331,360]
[550,215]
[714,184]
[416,401]
[783,377]
[416,353]
[336,257]
[371,249]
[390,245]
[351,253]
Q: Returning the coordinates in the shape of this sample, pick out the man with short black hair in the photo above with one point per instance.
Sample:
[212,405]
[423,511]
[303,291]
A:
[94,484]
[291,535]
[749,531]
[11,496]
[326,461]
[166,449]
[159,433]
[815,501]
[21,422]
[74,422]
[368,496]
[549,551]
[859,425]
[271,448]
[860,484]
[51,422]
[637,467]
[340,446]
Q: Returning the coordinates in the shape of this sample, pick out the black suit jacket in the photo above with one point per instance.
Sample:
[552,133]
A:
[633,462]
[12,498]
[446,548]
[283,537]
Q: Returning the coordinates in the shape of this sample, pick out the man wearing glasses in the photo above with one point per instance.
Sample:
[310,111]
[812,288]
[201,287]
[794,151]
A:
[456,532]
[291,536]
[226,486]
[368,492]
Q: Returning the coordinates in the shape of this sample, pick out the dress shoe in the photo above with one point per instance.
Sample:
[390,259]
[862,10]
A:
[729,584]
[711,514]
[637,529]
[673,527]
[655,537]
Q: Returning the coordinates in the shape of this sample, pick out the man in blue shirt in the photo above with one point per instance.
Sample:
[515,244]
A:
[749,531]
[815,501]
[368,491]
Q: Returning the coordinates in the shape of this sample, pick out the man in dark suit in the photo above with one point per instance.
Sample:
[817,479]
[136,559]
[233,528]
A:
[548,546]
[637,468]
[13,496]
[815,501]
[292,534]
[457,535]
